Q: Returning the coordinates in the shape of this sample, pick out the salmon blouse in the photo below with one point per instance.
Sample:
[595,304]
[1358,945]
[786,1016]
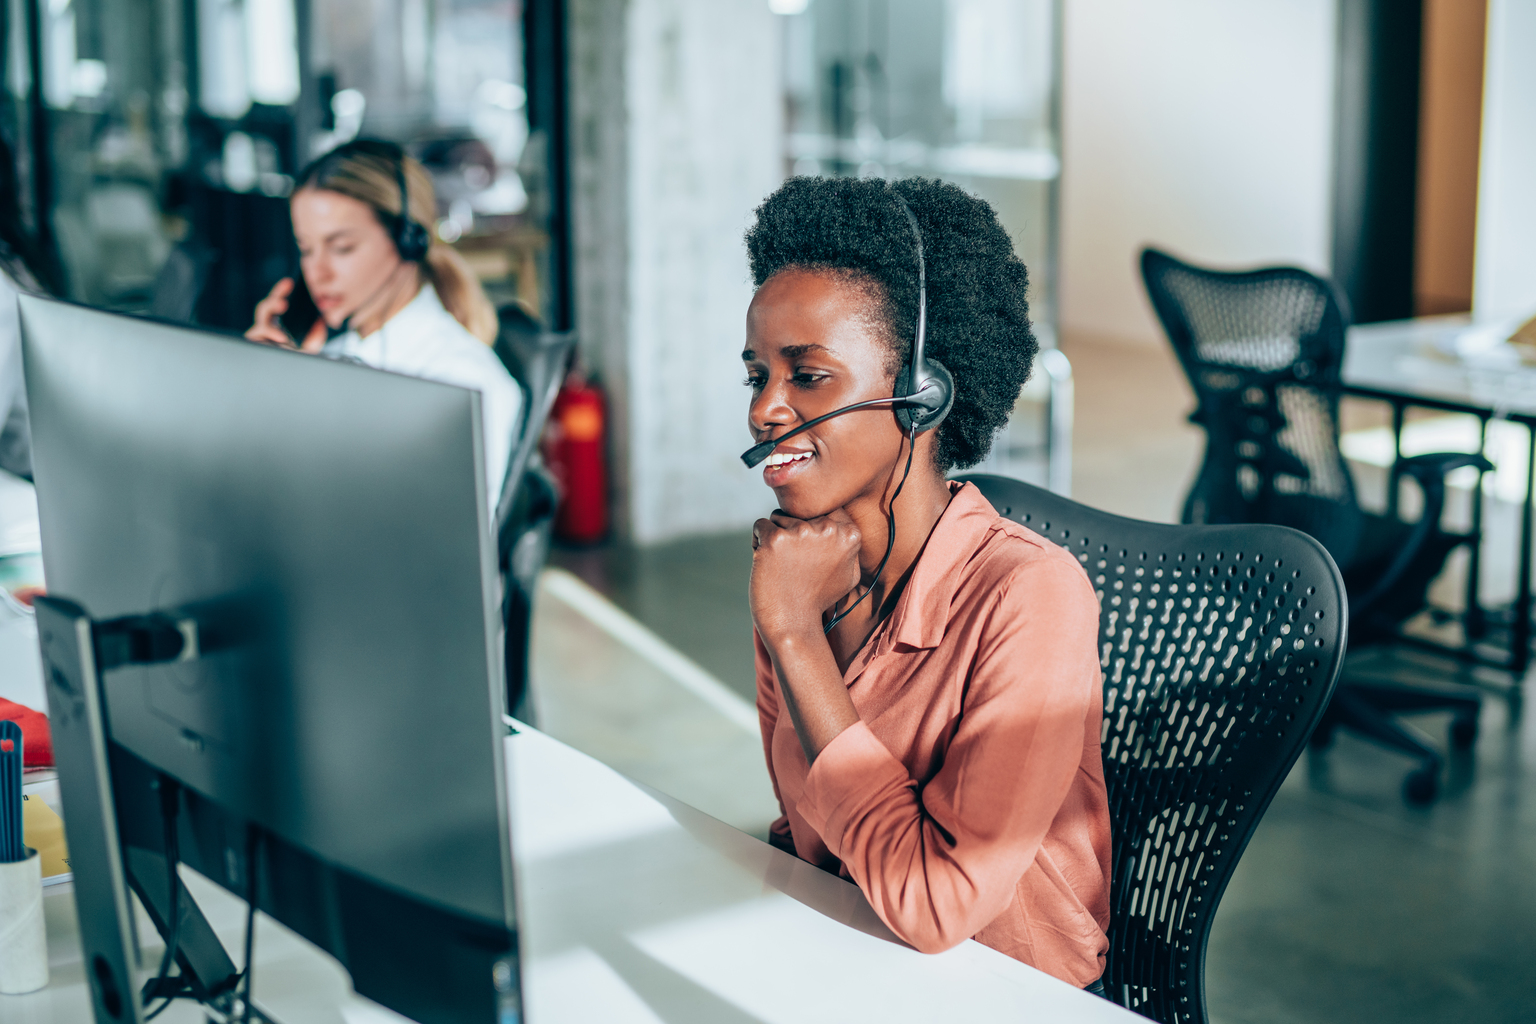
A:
[968,801]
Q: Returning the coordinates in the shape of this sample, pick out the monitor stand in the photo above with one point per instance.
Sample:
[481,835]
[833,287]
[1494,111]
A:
[77,652]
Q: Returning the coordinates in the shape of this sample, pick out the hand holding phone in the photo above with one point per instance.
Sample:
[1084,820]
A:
[268,328]
[288,317]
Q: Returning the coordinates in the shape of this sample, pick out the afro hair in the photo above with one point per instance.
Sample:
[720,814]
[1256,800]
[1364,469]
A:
[978,316]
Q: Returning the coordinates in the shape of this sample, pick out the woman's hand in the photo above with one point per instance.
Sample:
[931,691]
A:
[800,568]
[266,329]
[269,331]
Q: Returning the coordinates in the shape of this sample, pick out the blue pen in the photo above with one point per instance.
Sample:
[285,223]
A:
[12,846]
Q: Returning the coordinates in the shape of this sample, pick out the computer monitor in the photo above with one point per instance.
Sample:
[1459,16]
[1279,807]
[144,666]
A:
[334,716]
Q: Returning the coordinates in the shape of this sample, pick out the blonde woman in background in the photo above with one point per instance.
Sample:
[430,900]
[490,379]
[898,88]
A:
[389,295]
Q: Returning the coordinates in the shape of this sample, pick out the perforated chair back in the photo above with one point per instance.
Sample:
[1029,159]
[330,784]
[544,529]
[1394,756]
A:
[1263,350]
[539,361]
[1220,647]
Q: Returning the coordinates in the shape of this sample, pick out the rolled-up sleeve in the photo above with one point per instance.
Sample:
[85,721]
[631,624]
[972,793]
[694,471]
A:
[767,720]
[939,861]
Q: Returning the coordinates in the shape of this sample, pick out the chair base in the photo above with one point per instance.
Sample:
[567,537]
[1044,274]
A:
[1366,706]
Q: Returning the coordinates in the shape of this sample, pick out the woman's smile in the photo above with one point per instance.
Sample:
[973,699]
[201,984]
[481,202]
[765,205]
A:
[785,465]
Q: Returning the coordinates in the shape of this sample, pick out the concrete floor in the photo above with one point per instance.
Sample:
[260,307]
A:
[1349,905]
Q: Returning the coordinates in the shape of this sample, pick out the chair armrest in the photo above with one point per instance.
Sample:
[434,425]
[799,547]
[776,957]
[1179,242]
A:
[1439,465]
[1430,471]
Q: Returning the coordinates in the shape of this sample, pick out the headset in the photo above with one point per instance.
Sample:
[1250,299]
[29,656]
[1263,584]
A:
[929,395]
[411,238]
[922,407]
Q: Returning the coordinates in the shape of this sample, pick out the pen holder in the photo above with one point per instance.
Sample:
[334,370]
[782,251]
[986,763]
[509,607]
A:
[23,942]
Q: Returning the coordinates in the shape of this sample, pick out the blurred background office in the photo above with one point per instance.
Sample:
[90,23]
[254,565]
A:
[160,139]
[597,161]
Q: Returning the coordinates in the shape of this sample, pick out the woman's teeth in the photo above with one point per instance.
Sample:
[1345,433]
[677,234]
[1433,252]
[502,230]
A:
[784,458]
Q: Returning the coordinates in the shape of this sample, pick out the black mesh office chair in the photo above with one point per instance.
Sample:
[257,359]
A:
[539,360]
[1264,350]
[1220,647]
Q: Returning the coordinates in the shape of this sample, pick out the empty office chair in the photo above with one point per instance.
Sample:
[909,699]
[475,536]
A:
[180,283]
[1220,647]
[539,361]
[1264,350]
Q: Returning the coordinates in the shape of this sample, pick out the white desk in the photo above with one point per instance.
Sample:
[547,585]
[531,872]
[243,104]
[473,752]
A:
[1412,364]
[639,908]
[635,907]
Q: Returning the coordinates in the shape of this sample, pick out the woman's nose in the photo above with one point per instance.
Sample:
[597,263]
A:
[770,408]
[316,269]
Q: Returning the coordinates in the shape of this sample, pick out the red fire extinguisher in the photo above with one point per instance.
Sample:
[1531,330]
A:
[575,451]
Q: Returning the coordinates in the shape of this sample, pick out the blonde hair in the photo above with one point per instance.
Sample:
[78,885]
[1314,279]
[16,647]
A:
[369,172]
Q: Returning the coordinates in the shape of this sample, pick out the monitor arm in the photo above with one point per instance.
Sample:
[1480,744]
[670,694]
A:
[77,652]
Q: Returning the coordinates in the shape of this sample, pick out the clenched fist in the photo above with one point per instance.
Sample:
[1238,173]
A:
[800,568]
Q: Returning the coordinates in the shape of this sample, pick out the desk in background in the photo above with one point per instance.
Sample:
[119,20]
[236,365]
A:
[635,907]
[1411,364]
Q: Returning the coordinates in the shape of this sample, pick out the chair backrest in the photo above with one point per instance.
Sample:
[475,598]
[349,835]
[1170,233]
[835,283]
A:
[180,283]
[1220,647]
[1263,350]
[539,361]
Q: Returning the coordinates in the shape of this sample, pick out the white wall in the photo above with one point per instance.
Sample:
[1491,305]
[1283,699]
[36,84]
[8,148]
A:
[1504,274]
[677,137]
[1204,127]
[705,147]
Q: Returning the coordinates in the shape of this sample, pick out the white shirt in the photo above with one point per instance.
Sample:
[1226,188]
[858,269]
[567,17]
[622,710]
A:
[424,340]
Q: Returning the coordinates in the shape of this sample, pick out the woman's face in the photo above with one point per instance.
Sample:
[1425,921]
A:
[814,344]
[344,252]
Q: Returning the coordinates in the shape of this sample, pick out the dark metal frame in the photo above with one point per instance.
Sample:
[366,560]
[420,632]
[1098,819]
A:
[1518,657]
[1376,140]
[545,75]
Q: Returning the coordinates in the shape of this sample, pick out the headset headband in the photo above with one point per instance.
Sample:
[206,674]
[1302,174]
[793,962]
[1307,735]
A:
[411,238]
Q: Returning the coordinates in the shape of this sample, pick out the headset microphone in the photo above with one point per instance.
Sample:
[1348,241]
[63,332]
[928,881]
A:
[755,455]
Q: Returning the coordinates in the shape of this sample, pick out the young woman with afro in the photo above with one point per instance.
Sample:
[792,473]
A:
[939,745]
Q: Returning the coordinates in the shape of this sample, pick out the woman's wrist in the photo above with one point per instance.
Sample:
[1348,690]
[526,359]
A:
[794,636]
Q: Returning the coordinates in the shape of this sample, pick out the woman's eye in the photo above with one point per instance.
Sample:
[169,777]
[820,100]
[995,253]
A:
[755,381]
[806,379]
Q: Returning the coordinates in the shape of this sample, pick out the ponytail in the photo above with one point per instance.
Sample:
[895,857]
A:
[460,292]
[367,171]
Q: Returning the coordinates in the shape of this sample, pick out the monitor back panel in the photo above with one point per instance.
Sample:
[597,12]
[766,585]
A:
[325,524]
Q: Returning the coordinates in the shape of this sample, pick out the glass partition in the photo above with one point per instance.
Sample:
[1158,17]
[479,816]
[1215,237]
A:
[446,77]
[158,139]
[963,90]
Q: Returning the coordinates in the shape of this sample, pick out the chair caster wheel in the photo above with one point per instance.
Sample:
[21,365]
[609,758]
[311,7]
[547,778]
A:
[1322,738]
[1421,786]
[1464,733]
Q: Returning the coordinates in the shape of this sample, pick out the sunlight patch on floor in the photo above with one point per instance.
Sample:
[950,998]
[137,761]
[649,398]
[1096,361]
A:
[612,689]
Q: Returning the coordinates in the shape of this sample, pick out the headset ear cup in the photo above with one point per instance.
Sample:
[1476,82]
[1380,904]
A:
[412,241]
[936,401]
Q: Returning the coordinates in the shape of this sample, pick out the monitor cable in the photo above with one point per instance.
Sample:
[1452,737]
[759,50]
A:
[251,850]
[163,985]
[890,539]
